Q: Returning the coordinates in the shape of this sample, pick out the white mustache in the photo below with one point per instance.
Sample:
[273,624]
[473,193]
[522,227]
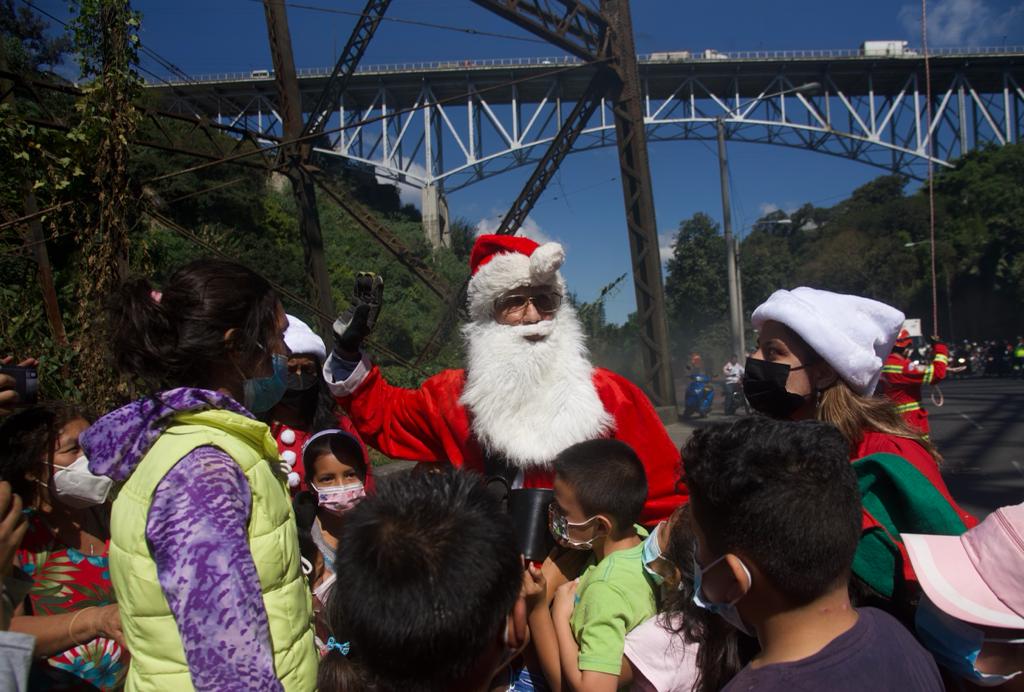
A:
[543,329]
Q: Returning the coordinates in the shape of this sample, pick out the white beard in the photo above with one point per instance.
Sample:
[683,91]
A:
[529,400]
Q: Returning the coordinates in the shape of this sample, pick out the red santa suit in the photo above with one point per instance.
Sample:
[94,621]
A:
[522,399]
[902,380]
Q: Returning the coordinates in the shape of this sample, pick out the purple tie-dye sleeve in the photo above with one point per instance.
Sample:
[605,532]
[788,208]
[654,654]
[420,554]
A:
[197,532]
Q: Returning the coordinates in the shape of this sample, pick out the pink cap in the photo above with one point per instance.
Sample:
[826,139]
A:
[977,577]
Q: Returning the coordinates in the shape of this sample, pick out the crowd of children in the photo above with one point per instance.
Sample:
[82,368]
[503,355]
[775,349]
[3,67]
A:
[810,546]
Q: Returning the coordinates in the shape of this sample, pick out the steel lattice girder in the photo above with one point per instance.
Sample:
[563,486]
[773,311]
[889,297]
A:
[869,110]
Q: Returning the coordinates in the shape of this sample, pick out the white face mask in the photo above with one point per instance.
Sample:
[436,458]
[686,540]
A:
[77,487]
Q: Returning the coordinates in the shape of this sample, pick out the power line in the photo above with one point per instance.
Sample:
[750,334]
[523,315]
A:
[413,22]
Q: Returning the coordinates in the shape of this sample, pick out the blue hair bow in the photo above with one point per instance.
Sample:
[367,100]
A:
[341,647]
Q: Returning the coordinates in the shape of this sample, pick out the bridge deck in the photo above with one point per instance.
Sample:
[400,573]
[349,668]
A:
[851,72]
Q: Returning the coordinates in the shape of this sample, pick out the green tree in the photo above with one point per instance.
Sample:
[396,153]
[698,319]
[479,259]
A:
[696,289]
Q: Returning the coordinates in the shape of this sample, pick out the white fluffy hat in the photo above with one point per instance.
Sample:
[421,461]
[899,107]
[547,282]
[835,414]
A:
[500,263]
[854,335]
[301,339]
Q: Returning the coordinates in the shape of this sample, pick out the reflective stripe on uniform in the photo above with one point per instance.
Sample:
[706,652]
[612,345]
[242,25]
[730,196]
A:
[895,369]
[929,374]
[912,406]
[941,358]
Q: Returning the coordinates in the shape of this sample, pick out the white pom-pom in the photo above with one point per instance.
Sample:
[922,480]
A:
[547,259]
[288,436]
[293,480]
[289,457]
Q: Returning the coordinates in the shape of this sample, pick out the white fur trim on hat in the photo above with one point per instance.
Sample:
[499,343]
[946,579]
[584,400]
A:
[301,339]
[508,270]
[852,334]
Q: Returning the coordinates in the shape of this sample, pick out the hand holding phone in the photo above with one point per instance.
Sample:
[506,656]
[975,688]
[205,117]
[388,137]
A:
[19,384]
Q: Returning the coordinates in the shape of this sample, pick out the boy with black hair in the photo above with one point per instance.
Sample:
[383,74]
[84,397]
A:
[428,593]
[600,487]
[776,512]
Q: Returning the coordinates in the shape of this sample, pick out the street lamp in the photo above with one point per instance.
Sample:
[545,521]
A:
[739,345]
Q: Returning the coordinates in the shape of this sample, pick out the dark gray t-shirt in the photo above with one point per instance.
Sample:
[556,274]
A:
[877,653]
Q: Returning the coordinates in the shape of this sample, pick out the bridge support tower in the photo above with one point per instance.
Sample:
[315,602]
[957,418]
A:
[435,216]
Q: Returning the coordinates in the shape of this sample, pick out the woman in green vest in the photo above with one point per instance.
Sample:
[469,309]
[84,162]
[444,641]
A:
[204,552]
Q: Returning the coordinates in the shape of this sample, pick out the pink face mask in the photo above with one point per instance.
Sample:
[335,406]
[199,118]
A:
[338,499]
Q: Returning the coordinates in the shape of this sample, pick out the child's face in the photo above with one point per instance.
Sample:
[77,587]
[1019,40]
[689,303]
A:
[566,505]
[330,471]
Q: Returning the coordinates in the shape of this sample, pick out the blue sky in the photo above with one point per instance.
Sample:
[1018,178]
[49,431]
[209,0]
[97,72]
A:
[584,208]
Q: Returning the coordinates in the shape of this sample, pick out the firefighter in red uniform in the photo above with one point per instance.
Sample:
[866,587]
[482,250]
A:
[902,378]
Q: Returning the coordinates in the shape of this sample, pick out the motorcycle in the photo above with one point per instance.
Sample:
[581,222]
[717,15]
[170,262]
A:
[734,400]
[699,396]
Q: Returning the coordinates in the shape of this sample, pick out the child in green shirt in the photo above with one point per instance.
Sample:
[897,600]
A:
[600,488]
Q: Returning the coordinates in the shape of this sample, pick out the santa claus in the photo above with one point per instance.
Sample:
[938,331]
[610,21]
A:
[528,390]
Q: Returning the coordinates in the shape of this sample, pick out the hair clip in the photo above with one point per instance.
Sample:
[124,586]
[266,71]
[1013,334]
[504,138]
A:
[156,296]
[341,647]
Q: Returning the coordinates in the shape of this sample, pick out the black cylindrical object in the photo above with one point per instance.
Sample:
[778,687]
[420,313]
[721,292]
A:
[529,510]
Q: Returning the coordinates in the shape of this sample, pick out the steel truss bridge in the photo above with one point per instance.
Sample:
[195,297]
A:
[446,125]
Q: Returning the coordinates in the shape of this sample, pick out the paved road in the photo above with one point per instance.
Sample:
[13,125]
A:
[979,431]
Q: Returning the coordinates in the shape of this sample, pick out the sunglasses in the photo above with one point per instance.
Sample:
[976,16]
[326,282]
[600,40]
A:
[516,303]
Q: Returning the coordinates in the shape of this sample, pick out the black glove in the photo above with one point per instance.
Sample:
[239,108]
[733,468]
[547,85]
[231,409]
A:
[356,323]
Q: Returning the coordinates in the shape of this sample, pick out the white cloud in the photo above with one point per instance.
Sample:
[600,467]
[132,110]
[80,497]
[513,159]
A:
[959,22]
[666,245]
[530,228]
[408,194]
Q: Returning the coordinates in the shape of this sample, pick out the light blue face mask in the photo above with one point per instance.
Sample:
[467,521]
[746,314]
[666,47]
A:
[726,611]
[263,393]
[955,644]
[651,554]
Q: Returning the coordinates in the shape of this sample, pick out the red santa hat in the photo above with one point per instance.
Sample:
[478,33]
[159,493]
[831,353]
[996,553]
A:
[501,263]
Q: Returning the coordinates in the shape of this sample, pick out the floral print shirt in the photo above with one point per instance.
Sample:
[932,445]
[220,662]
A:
[66,580]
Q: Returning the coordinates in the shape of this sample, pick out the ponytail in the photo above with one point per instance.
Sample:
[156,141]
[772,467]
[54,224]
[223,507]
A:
[142,336]
[338,671]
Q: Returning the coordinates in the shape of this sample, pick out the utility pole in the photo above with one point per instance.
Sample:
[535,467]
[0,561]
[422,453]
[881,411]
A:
[739,345]
[735,316]
[297,159]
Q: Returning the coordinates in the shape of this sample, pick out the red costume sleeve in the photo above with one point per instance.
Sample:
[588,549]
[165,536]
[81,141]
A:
[638,425]
[425,424]
[940,362]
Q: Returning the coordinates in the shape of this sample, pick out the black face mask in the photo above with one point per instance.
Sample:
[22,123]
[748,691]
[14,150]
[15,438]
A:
[302,401]
[764,385]
[300,382]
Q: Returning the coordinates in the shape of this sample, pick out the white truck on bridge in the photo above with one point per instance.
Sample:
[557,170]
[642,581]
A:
[885,49]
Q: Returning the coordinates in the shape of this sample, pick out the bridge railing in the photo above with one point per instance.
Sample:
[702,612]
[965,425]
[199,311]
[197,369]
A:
[650,58]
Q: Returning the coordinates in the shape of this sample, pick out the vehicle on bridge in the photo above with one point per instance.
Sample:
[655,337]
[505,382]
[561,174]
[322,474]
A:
[886,49]
[669,56]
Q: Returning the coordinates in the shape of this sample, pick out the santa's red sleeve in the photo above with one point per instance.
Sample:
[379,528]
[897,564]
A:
[424,424]
[638,425]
